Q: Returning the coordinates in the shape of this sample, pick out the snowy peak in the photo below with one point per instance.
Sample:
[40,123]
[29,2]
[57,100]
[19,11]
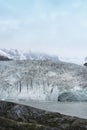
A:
[40,56]
[14,54]
[2,53]
[4,56]
[19,55]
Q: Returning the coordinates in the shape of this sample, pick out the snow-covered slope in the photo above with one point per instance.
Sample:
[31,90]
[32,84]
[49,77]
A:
[19,55]
[4,56]
[43,80]
[3,53]
[15,54]
[77,60]
[28,55]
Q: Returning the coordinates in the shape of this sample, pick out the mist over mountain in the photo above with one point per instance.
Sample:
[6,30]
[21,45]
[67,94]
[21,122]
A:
[20,55]
[15,54]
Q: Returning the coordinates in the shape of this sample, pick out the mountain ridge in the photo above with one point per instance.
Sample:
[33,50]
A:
[20,55]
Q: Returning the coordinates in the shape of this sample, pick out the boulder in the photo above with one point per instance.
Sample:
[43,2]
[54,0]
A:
[68,96]
[85,64]
[72,96]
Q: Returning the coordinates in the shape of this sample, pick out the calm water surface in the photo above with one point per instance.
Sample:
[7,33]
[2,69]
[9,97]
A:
[78,109]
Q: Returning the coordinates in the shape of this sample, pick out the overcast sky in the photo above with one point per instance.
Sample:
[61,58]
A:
[52,26]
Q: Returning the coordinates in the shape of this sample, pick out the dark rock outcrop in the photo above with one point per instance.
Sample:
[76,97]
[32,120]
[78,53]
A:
[72,96]
[68,96]
[85,64]
[20,117]
[4,58]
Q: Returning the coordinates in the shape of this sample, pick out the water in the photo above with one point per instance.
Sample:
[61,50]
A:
[78,109]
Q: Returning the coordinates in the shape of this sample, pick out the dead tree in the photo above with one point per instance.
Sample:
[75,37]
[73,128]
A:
[27,87]
[20,86]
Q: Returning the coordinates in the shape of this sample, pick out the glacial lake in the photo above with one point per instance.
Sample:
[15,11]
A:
[78,109]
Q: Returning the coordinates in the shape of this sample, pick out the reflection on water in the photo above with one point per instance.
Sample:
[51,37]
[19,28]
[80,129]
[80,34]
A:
[78,109]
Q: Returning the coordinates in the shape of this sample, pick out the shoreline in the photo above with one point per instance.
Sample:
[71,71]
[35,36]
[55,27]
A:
[15,117]
[66,108]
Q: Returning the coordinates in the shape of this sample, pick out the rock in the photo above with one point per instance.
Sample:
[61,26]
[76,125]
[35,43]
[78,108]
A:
[19,117]
[4,58]
[85,64]
[68,96]
[72,96]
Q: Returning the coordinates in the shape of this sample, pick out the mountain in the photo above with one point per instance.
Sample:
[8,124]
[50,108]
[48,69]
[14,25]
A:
[19,55]
[28,55]
[43,80]
[4,56]
[14,54]
[85,61]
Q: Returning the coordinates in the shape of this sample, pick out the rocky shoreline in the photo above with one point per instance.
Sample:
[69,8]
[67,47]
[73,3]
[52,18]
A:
[20,117]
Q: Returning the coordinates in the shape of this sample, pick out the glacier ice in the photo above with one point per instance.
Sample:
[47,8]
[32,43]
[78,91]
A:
[43,80]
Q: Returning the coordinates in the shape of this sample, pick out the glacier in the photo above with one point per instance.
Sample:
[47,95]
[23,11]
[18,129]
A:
[42,80]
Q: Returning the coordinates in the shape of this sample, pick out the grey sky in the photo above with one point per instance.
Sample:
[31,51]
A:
[52,26]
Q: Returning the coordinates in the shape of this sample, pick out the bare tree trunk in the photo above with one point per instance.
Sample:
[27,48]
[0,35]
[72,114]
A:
[17,87]
[31,84]
[51,90]
[20,86]
[27,87]
[43,86]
